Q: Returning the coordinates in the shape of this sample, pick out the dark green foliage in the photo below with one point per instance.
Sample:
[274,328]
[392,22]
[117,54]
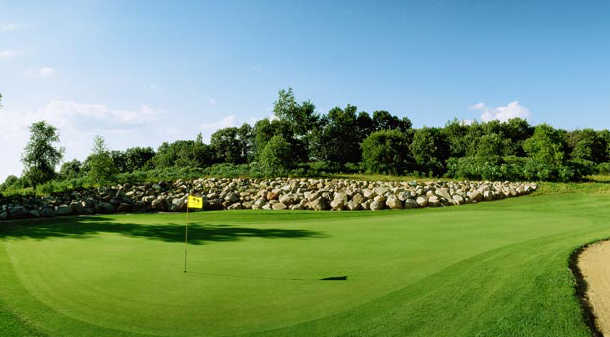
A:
[184,153]
[386,151]
[137,158]
[517,169]
[227,146]
[339,137]
[587,145]
[383,120]
[70,169]
[276,157]
[547,145]
[41,154]
[265,129]
[430,150]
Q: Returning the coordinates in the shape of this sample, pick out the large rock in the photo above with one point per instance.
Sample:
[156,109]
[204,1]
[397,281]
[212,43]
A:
[319,204]
[377,205]
[279,206]
[393,202]
[434,201]
[63,210]
[105,207]
[422,201]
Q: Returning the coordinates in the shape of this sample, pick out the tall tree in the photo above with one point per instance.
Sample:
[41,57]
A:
[547,145]
[100,164]
[42,153]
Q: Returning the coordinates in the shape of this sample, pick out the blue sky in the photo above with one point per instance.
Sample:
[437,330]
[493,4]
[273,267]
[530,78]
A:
[142,72]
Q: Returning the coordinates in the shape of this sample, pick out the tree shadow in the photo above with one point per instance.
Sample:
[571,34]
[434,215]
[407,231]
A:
[198,234]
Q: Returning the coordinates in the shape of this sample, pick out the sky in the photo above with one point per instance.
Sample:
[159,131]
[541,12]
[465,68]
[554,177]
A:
[140,73]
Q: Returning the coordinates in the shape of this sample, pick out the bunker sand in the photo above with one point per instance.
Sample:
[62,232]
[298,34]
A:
[594,264]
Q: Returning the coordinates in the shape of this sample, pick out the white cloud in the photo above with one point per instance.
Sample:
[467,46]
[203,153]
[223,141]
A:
[501,113]
[226,122]
[46,72]
[77,124]
[9,27]
[8,54]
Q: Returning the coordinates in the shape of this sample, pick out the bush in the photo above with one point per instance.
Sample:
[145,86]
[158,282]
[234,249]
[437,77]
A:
[516,169]
[603,168]
[385,151]
[276,156]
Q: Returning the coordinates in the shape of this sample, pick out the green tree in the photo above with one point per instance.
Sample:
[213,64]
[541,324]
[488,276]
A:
[276,157]
[137,158]
[41,154]
[383,120]
[546,145]
[430,150]
[300,117]
[227,146]
[100,164]
[70,169]
[386,151]
[338,139]
[491,148]
[587,145]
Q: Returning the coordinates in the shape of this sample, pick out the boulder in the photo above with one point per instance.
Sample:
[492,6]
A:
[236,205]
[319,204]
[377,205]
[422,201]
[393,202]
[63,210]
[410,203]
[104,207]
[279,206]
[434,201]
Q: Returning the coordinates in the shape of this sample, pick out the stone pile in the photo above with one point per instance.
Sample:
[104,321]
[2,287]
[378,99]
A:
[267,194]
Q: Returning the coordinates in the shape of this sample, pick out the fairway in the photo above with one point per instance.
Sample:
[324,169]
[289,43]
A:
[489,269]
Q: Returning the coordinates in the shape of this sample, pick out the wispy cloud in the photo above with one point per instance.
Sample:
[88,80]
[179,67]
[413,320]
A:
[9,27]
[8,54]
[46,72]
[212,101]
[226,122]
[502,113]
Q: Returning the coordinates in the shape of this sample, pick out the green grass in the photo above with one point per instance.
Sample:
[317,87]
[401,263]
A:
[492,269]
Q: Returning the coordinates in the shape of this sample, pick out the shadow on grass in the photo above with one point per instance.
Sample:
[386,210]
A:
[86,227]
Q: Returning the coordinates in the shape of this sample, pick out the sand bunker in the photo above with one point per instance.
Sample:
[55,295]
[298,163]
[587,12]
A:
[594,264]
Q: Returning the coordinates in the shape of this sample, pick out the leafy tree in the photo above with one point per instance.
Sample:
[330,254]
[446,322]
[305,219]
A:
[137,158]
[265,129]
[245,136]
[300,117]
[276,157]
[491,147]
[587,145]
[517,130]
[11,182]
[338,139]
[546,145]
[430,149]
[70,169]
[455,132]
[100,164]
[41,154]
[227,146]
[184,153]
[383,120]
[386,151]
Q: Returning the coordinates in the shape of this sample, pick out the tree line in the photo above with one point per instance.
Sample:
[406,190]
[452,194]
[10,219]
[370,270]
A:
[300,141]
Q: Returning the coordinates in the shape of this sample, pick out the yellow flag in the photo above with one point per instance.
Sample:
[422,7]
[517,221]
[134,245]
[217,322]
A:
[195,202]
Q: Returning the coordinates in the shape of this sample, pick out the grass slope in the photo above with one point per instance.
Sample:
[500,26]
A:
[493,269]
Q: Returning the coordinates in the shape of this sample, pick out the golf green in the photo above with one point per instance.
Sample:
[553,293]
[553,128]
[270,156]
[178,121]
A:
[491,269]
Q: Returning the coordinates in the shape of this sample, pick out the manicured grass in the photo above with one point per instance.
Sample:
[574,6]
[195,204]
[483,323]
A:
[492,269]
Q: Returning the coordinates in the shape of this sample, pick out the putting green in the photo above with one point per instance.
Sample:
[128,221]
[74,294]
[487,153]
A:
[493,269]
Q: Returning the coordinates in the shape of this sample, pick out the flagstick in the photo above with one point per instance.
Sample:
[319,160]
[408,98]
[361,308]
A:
[186,230]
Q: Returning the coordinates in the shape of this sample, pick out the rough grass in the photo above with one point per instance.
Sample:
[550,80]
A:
[493,269]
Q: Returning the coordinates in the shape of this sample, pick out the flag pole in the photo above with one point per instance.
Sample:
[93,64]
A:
[186,229]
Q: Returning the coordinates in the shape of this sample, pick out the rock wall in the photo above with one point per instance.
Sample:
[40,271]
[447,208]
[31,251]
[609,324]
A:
[269,194]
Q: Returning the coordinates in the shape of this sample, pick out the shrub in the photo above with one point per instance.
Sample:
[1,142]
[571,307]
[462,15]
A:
[276,156]
[603,168]
[385,151]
